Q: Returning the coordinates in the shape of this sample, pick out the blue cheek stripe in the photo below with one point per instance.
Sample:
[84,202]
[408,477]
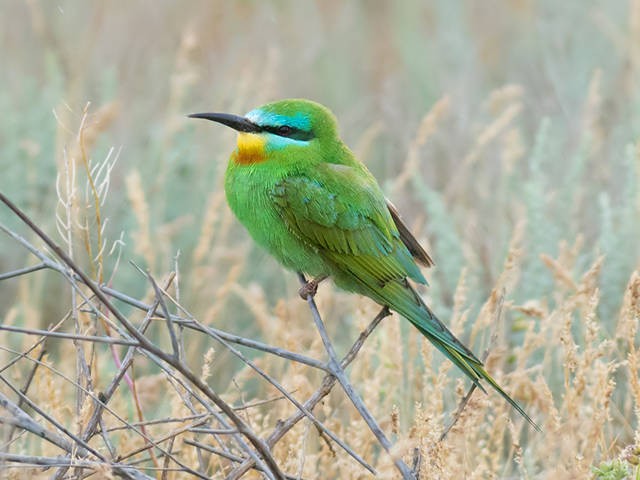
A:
[275,142]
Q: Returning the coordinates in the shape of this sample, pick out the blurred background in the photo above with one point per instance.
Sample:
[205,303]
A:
[539,121]
[503,130]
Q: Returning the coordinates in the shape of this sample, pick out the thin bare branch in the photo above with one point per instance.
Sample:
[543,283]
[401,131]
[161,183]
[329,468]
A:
[172,333]
[69,336]
[338,372]
[132,428]
[328,382]
[26,386]
[273,468]
[22,271]
[23,420]
[160,440]
[298,405]
[228,456]
[159,421]
[61,461]
[229,337]
[19,418]
[115,382]
[83,447]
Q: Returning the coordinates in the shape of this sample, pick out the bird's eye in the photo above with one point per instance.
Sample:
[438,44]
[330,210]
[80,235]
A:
[285,130]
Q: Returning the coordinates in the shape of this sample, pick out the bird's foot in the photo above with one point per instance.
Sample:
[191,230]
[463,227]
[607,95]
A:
[310,288]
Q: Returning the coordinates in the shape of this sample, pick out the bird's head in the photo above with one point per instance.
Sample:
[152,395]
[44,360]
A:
[283,125]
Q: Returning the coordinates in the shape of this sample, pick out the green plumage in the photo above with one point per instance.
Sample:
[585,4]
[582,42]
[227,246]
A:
[318,210]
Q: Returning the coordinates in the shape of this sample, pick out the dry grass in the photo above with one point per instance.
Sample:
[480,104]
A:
[515,156]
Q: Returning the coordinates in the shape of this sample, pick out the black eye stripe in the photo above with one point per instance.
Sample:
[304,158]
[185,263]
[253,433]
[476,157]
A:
[288,131]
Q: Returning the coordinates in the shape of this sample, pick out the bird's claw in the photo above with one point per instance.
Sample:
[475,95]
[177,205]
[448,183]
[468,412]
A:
[309,289]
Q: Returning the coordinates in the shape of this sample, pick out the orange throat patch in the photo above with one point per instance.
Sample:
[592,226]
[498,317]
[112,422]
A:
[250,148]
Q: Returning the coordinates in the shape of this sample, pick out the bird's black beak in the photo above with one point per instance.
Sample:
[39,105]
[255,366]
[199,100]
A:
[236,122]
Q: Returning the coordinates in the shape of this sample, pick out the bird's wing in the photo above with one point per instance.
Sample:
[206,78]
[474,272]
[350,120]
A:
[419,253]
[342,213]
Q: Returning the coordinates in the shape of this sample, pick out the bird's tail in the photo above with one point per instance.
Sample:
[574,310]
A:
[403,299]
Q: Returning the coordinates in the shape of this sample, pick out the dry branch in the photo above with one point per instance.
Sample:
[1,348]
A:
[136,340]
[267,461]
[338,372]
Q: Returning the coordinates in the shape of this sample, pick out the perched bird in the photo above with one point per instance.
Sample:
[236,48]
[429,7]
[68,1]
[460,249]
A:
[305,198]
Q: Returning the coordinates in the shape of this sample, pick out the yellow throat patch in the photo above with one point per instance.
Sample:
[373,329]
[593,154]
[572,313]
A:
[250,148]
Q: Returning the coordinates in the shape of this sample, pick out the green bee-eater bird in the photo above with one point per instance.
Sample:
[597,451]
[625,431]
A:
[306,199]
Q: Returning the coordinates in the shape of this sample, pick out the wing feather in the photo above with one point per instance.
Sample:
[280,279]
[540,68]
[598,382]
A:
[408,239]
[343,215]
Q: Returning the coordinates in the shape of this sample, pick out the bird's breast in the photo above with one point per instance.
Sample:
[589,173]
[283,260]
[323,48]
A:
[251,149]
[250,193]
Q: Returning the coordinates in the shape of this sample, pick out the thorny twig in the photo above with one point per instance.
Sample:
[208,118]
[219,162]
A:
[172,333]
[271,467]
[22,420]
[69,336]
[22,271]
[63,429]
[26,386]
[298,405]
[229,337]
[136,340]
[96,416]
[228,456]
[281,389]
[338,372]
[125,471]
[325,388]
[283,427]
